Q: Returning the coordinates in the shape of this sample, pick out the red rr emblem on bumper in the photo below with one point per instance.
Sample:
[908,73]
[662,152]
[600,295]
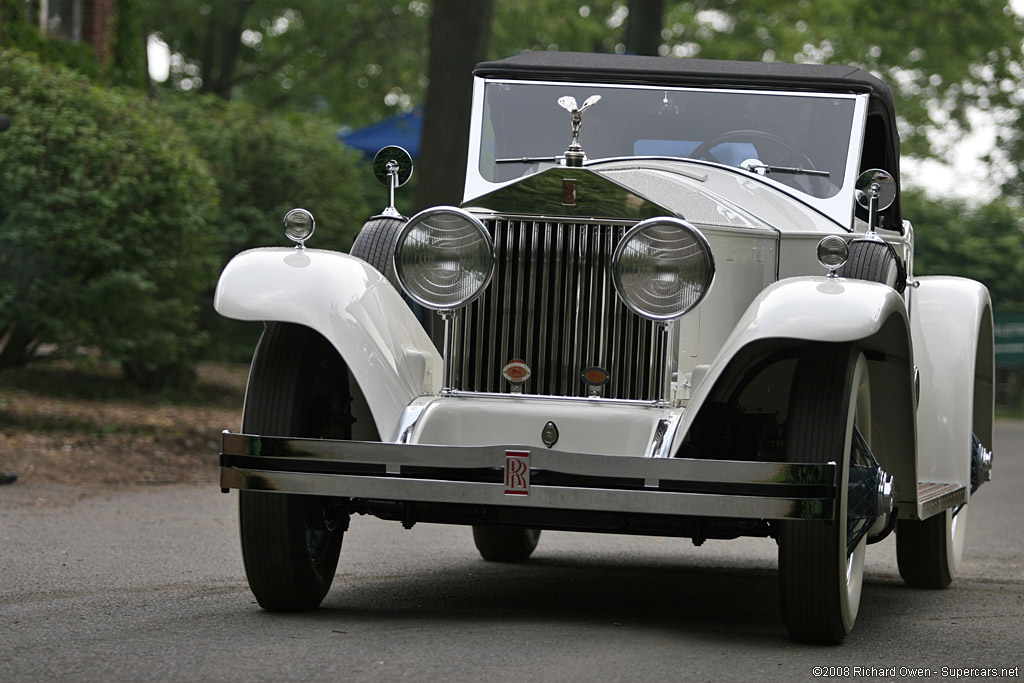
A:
[517,473]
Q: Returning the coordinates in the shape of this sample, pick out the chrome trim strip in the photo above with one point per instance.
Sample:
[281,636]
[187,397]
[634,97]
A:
[544,259]
[475,493]
[531,278]
[811,475]
[486,215]
[262,463]
[552,397]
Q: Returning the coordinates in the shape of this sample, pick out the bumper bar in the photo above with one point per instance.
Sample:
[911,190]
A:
[525,477]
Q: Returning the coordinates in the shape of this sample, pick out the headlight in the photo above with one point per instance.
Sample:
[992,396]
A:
[444,258]
[299,226]
[832,252]
[663,268]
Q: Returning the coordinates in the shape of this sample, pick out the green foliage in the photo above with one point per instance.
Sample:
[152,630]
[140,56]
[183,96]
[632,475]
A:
[128,65]
[264,166]
[104,209]
[19,33]
[984,243]
[941,60]
[358,60]
[362,60]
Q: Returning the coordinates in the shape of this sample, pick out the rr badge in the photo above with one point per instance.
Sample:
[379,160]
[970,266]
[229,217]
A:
[517,473]
[568,191]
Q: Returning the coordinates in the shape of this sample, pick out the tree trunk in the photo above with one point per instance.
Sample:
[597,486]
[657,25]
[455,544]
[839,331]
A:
[459,33]
[643,26]
[220,55]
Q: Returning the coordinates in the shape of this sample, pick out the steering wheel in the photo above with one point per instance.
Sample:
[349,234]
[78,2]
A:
[703,151]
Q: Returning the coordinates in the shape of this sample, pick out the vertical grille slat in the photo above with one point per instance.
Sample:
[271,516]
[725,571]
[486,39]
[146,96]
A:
[552,303]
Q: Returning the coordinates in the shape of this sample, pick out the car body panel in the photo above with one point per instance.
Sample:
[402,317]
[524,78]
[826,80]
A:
[353,306]
[951,318]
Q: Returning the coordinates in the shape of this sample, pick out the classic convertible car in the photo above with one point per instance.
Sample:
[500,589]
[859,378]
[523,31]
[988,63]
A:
[678,299]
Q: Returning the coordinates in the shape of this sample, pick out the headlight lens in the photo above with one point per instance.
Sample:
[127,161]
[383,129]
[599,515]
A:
[444,258]
[663,268]
[833,252]
[299,225]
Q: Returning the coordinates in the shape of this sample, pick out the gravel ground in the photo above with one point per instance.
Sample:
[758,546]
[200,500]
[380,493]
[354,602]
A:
[69,424]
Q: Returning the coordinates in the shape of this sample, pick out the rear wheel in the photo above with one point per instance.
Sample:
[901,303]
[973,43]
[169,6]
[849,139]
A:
[298,386]
[505,544]
[821,564]
[929,552]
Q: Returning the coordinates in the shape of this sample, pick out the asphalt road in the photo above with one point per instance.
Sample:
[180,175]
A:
[148,585]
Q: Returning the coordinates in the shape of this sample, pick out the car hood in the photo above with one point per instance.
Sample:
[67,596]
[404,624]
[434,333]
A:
[629,190]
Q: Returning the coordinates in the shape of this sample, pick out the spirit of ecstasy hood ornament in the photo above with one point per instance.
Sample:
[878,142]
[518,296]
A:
[574,155]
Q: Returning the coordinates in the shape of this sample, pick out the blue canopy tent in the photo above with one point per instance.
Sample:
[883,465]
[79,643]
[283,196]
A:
[403,130]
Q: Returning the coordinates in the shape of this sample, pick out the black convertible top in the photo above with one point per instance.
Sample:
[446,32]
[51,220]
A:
[611,68]
[881,148]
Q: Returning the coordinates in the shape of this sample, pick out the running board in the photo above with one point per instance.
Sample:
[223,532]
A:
[933,498]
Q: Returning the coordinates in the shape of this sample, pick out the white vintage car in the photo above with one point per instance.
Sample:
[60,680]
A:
[679,299]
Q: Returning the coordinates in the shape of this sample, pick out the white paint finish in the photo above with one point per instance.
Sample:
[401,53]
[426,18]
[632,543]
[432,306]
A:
[744,266]
[597,427]
[806,308]
[353,306]
[947,316]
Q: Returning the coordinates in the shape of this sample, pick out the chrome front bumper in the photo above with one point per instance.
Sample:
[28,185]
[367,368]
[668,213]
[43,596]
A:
[530,478]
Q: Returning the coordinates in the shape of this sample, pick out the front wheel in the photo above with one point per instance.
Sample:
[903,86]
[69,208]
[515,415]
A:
[821,564]
[298,386]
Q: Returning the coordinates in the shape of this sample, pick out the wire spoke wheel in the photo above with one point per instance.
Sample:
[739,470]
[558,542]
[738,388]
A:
[298,386]
[821,564]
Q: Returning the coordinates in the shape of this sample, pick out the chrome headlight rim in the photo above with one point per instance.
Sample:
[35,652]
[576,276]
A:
[623,245]
[401,242]
[299,226]
[832,252]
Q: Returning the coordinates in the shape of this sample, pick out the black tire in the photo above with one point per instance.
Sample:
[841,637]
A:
[290,545]
[929,552]
[505,544]
[375,244]
[875,262]
[819,580]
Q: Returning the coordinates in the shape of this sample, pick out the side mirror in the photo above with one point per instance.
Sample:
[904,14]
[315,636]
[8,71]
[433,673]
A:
[876,191]
[393,167]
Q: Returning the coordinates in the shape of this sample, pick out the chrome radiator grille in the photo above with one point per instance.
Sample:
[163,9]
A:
[552,304]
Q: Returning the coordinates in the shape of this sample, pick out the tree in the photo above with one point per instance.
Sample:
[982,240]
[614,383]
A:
[943,61]
[358,60]
[459,30]
[104,209]
[643,26]
[984,243]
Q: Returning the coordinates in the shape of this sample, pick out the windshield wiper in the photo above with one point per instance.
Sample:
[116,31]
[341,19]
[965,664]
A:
[527,160]
[755,166]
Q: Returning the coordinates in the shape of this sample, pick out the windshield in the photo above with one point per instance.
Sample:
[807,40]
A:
[799,139]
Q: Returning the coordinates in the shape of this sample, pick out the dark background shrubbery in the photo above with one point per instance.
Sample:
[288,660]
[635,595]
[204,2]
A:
[117,213]
[104,207]
[263,166]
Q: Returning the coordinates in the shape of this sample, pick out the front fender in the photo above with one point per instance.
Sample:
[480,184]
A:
[791,312]
[353,306]
[952,328]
